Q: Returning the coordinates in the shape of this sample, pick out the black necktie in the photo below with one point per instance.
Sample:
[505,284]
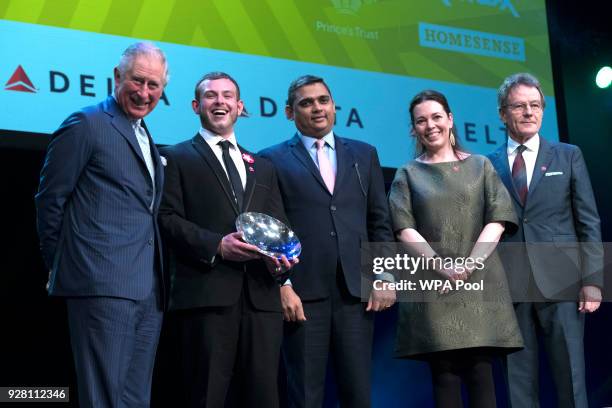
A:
[519,174]
[232,171]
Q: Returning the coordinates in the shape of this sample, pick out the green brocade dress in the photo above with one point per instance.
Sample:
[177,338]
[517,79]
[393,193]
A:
[449,204]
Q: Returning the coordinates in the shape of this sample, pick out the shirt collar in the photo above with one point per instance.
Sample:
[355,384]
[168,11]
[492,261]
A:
[309,141]
[134,122]
[532,144]
[213,139]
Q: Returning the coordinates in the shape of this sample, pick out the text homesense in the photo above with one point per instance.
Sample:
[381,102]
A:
[471,42]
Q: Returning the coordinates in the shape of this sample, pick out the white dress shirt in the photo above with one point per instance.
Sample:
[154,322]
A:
[530,154]
[213,141]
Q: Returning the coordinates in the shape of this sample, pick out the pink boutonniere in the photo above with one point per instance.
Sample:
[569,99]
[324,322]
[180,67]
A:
[248,158]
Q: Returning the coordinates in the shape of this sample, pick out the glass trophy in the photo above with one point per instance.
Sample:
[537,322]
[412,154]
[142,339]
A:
[270,235]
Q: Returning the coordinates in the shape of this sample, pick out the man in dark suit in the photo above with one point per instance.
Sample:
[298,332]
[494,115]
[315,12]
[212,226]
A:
[97,205]
[227,301]
[559,239]
[334,197]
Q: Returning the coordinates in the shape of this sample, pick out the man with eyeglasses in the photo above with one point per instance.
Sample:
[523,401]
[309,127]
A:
[558,275]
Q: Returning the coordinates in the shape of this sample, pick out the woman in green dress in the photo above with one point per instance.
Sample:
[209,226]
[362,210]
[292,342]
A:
[449,206]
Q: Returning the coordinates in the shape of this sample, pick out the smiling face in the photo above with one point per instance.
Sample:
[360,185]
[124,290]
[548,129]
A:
[522,113]
[313,110]
[219,106]
[432,125]
[139,88]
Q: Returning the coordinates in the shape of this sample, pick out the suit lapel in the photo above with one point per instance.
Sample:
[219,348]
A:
[344,161]
[500,162]
[542,163]
[206,152]
[154,155]
[159,169]
[300,152]
[121,123]
[250,181]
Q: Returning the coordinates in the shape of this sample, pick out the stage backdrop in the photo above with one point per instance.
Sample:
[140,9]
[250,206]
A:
[57,57]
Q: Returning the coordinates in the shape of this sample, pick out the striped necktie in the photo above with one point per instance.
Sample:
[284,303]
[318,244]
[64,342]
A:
[145,147]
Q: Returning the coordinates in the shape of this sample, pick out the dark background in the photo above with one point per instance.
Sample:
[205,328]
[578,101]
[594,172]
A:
[34,345]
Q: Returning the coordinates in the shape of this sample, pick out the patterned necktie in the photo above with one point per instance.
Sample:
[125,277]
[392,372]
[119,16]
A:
[232,172]
[519,174]
[145,147]
[325,166]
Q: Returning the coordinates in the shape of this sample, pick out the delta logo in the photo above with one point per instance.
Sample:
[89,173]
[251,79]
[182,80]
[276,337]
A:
[59,82]
[20,81]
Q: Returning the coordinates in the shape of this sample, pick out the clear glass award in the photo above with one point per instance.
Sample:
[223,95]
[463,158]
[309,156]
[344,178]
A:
[270,235]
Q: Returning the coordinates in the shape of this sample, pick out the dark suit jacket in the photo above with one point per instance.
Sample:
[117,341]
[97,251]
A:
[98,235]
[559,223]
[330,227]
[197,210]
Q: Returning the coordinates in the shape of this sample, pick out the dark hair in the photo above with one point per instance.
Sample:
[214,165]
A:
[211,76]
[513,81]
[431,95]
[303,81]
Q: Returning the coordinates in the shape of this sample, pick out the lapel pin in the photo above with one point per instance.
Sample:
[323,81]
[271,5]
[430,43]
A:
[456,169]
[543,168]
[251,169]
[248,158]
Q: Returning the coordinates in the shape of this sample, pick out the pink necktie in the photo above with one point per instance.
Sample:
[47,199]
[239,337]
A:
[325,166]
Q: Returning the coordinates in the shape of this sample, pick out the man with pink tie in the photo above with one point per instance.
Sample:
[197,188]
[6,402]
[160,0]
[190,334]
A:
[334,197]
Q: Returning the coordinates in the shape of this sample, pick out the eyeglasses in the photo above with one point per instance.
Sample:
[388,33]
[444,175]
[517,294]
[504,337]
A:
[536,107]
